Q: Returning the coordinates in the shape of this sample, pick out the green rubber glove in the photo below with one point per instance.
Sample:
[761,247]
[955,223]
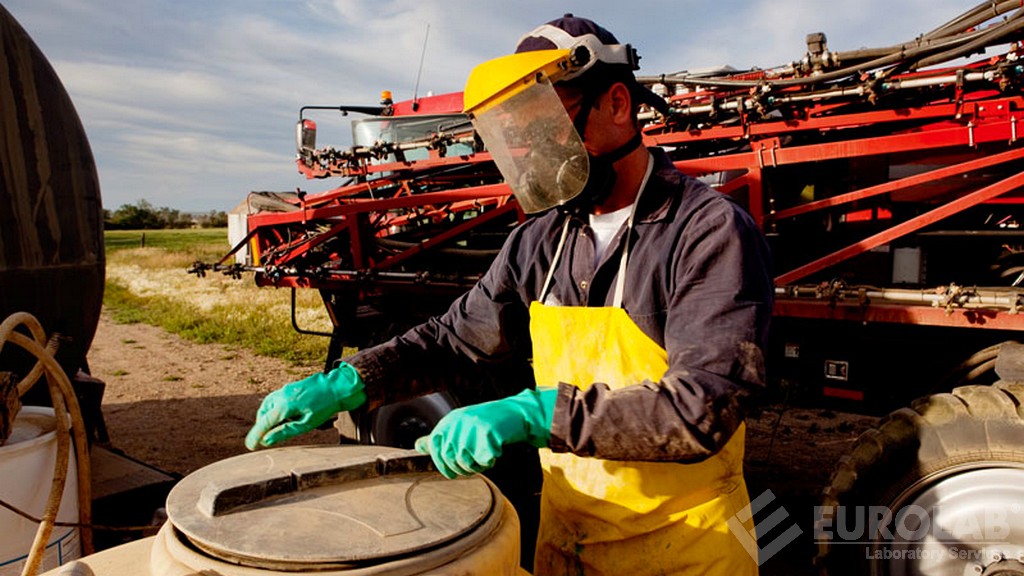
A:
[301,406]
[469,440]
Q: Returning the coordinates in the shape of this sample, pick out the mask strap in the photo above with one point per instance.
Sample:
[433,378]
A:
[621,152]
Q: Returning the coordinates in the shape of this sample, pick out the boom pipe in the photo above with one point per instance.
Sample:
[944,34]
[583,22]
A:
[445,236]
[363,169]
[287,253]
[323,277]
[357,161]
[453,208]
[945,297]
[917,55]
[867,312]
[980,14]
[307,244]
[743,103]
[815,120]
[771,153]
[360,205]
[406,172]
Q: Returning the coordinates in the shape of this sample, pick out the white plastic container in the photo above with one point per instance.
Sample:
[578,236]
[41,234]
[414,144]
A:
[322,511]
[26,473]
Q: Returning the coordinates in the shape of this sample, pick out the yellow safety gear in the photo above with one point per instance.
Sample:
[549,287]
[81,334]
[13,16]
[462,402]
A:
[602,517]
[497,80]
[605,517]
[521,120]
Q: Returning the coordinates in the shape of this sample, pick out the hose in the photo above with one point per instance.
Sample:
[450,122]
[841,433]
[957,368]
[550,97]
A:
[981,13]
[64,403]
[952,40]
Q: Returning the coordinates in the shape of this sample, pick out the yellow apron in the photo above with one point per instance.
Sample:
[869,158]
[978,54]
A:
[603,517]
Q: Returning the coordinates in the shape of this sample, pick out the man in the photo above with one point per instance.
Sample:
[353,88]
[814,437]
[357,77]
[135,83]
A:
[642,299]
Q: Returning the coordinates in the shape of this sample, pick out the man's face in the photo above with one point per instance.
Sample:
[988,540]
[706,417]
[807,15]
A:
[572,100]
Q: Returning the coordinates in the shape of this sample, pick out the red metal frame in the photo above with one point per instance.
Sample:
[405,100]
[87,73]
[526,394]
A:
[961,132]
[961,128]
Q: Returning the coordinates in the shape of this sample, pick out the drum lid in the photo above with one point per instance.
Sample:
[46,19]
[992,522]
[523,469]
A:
[324,506]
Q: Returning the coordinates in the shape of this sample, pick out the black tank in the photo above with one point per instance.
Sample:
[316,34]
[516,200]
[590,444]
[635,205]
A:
[51,217]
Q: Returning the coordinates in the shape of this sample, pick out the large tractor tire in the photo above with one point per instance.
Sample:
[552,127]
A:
[936,488]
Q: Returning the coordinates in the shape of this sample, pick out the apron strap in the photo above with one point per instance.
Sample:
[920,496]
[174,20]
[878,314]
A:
[554,261]
[620,279]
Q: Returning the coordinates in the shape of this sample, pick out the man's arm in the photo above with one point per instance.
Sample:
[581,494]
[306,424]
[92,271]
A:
[488,325]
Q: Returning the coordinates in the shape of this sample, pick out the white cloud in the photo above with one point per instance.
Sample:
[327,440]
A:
[191,104]
[154,89]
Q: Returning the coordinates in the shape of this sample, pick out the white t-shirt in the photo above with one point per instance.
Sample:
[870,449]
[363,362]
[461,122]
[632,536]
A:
[605,226]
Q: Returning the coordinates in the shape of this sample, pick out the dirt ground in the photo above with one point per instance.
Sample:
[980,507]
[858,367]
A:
[178,406]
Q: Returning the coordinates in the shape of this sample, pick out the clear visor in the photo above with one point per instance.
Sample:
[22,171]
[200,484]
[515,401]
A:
[535,146]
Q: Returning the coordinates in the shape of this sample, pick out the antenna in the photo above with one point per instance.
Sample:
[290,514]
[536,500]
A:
[415,101]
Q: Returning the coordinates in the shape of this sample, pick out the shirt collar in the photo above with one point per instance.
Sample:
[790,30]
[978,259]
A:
[661,191]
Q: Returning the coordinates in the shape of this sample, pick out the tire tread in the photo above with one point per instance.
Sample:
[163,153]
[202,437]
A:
[972,423]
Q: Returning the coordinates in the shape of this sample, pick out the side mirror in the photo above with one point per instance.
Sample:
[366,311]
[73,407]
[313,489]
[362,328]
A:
[305,136]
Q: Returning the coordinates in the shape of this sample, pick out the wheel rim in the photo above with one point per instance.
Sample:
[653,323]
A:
[968,522]
[402,423]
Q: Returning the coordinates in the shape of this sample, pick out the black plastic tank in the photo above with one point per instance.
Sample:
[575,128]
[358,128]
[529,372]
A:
[51,216]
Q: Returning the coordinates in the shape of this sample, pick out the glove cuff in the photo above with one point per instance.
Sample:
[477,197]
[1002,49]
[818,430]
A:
[347,387]
[538,412]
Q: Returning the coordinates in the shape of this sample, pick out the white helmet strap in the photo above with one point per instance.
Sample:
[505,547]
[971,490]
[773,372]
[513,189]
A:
[597,51]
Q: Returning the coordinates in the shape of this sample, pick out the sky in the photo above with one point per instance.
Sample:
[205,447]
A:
[192,104]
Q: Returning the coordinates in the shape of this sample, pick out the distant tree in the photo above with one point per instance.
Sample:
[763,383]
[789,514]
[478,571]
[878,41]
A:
[144,216]
[213,219]
[173,219]
[138,216]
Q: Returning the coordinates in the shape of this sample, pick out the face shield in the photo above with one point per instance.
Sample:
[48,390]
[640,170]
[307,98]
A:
[521,120]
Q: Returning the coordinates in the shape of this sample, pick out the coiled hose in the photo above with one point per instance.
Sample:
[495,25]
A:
[64,402]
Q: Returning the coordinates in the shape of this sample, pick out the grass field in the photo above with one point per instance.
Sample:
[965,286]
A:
[147,281]
[201,243]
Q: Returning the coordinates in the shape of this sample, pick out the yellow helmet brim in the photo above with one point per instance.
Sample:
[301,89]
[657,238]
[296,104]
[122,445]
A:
[497,80]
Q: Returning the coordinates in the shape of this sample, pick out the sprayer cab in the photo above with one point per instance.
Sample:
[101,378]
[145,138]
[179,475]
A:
[387,137]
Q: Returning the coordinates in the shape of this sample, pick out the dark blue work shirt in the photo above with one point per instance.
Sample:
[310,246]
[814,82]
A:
[698,283]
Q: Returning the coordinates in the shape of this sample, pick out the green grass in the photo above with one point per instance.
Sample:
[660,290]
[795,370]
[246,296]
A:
[150,285]
[202,243]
